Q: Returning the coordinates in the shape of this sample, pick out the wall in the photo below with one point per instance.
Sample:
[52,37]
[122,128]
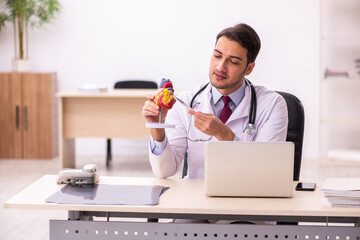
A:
[104,41]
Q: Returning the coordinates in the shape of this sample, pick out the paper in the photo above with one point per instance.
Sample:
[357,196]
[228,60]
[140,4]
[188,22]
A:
[341,192]
[341,184]
[92,88]
[105,194]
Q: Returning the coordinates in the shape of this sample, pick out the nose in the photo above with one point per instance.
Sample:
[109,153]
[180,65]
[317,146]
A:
[221,66]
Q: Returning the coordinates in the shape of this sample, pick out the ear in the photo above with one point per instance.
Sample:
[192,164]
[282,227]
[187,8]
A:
[250,68]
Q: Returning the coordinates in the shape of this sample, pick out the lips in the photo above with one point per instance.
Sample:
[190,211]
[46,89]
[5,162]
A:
[219,76]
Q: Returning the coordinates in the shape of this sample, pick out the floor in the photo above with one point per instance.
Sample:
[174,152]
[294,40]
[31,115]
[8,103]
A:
[16,224]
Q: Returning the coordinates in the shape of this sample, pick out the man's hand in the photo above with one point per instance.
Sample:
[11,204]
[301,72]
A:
[212,126]
[151,112]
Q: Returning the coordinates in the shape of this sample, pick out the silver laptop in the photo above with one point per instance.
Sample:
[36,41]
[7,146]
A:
[249,169]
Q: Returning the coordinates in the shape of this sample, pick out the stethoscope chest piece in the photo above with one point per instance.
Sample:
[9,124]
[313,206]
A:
[250,129]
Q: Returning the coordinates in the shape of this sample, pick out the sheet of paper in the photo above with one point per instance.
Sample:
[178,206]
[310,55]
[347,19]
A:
[341,184]
[105,194]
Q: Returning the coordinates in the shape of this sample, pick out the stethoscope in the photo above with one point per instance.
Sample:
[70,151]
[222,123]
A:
[252,113]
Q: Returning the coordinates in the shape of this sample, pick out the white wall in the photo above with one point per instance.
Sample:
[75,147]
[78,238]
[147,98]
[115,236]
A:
[104,41]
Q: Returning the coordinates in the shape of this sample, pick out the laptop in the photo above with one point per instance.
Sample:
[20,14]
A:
[249,169]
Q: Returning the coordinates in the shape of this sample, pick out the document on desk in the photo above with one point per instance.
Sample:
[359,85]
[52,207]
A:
[341,192]
[106,194]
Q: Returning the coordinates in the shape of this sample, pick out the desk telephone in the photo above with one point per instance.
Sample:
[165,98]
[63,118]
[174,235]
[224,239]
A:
[87,175]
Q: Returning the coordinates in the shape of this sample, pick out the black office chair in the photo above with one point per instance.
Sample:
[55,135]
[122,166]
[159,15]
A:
[295,132]
[136,84]
[128,84]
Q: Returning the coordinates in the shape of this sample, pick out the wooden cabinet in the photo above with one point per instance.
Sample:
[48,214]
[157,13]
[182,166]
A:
[28,115]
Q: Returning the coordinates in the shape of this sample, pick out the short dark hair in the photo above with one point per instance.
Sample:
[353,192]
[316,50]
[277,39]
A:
[246,37]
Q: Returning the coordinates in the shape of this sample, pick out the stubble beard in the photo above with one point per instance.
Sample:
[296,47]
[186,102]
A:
[224,84]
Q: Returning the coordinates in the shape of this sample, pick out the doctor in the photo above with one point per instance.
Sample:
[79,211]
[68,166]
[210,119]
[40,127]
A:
[221,109]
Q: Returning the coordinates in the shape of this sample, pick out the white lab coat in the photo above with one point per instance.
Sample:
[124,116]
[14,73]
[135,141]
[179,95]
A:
[270,125]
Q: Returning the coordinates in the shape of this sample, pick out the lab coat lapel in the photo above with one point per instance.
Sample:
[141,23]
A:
[242,110]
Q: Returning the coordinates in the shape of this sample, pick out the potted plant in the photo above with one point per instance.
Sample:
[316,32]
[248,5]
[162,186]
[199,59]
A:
[21,13]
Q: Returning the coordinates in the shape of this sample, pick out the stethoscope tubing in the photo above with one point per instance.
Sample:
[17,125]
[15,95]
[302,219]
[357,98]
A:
[253,105]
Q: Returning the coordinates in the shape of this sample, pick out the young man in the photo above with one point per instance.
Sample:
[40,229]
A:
[221,109]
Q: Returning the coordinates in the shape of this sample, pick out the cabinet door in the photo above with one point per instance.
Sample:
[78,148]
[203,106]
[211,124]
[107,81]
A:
[10,115]
[37,115]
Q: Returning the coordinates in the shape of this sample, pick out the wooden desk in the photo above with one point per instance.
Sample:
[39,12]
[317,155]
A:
[186,199]
[116,113]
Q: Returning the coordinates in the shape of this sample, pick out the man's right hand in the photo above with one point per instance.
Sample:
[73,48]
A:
[151,112]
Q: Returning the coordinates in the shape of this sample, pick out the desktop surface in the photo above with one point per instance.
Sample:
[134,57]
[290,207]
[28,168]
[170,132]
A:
[184,196]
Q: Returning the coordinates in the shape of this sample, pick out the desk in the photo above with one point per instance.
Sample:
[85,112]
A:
[186,199]
[116,113]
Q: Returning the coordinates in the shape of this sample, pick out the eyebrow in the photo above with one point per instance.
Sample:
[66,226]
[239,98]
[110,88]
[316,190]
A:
[229,56]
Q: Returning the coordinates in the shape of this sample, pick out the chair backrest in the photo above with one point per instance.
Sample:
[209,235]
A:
[136,84]
[295,131]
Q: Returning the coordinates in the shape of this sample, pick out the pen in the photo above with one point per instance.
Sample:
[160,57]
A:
[183,103]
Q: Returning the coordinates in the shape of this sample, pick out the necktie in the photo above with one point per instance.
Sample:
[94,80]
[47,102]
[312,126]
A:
[226,111]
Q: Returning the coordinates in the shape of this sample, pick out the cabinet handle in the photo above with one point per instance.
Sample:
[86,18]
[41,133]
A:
[26,117]
[17,116]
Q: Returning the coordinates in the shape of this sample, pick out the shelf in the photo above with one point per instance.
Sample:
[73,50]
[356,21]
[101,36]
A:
[332,162]
[341,79]
[339,98]
[340,120]
[340,38]
[347,155]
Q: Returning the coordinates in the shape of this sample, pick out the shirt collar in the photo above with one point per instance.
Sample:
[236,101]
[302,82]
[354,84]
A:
[236,96]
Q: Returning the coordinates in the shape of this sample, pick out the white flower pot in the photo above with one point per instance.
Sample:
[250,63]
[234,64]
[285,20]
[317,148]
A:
[21,65]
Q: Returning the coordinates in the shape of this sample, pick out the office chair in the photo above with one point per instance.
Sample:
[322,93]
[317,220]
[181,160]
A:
[127,85]
[295,131]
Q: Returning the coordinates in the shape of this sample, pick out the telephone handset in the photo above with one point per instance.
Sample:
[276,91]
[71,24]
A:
[87,175]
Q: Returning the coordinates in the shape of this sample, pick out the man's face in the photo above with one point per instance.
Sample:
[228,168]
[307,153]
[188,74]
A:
[228,66]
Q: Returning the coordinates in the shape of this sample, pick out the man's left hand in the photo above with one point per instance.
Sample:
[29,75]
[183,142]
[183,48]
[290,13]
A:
[212,126]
